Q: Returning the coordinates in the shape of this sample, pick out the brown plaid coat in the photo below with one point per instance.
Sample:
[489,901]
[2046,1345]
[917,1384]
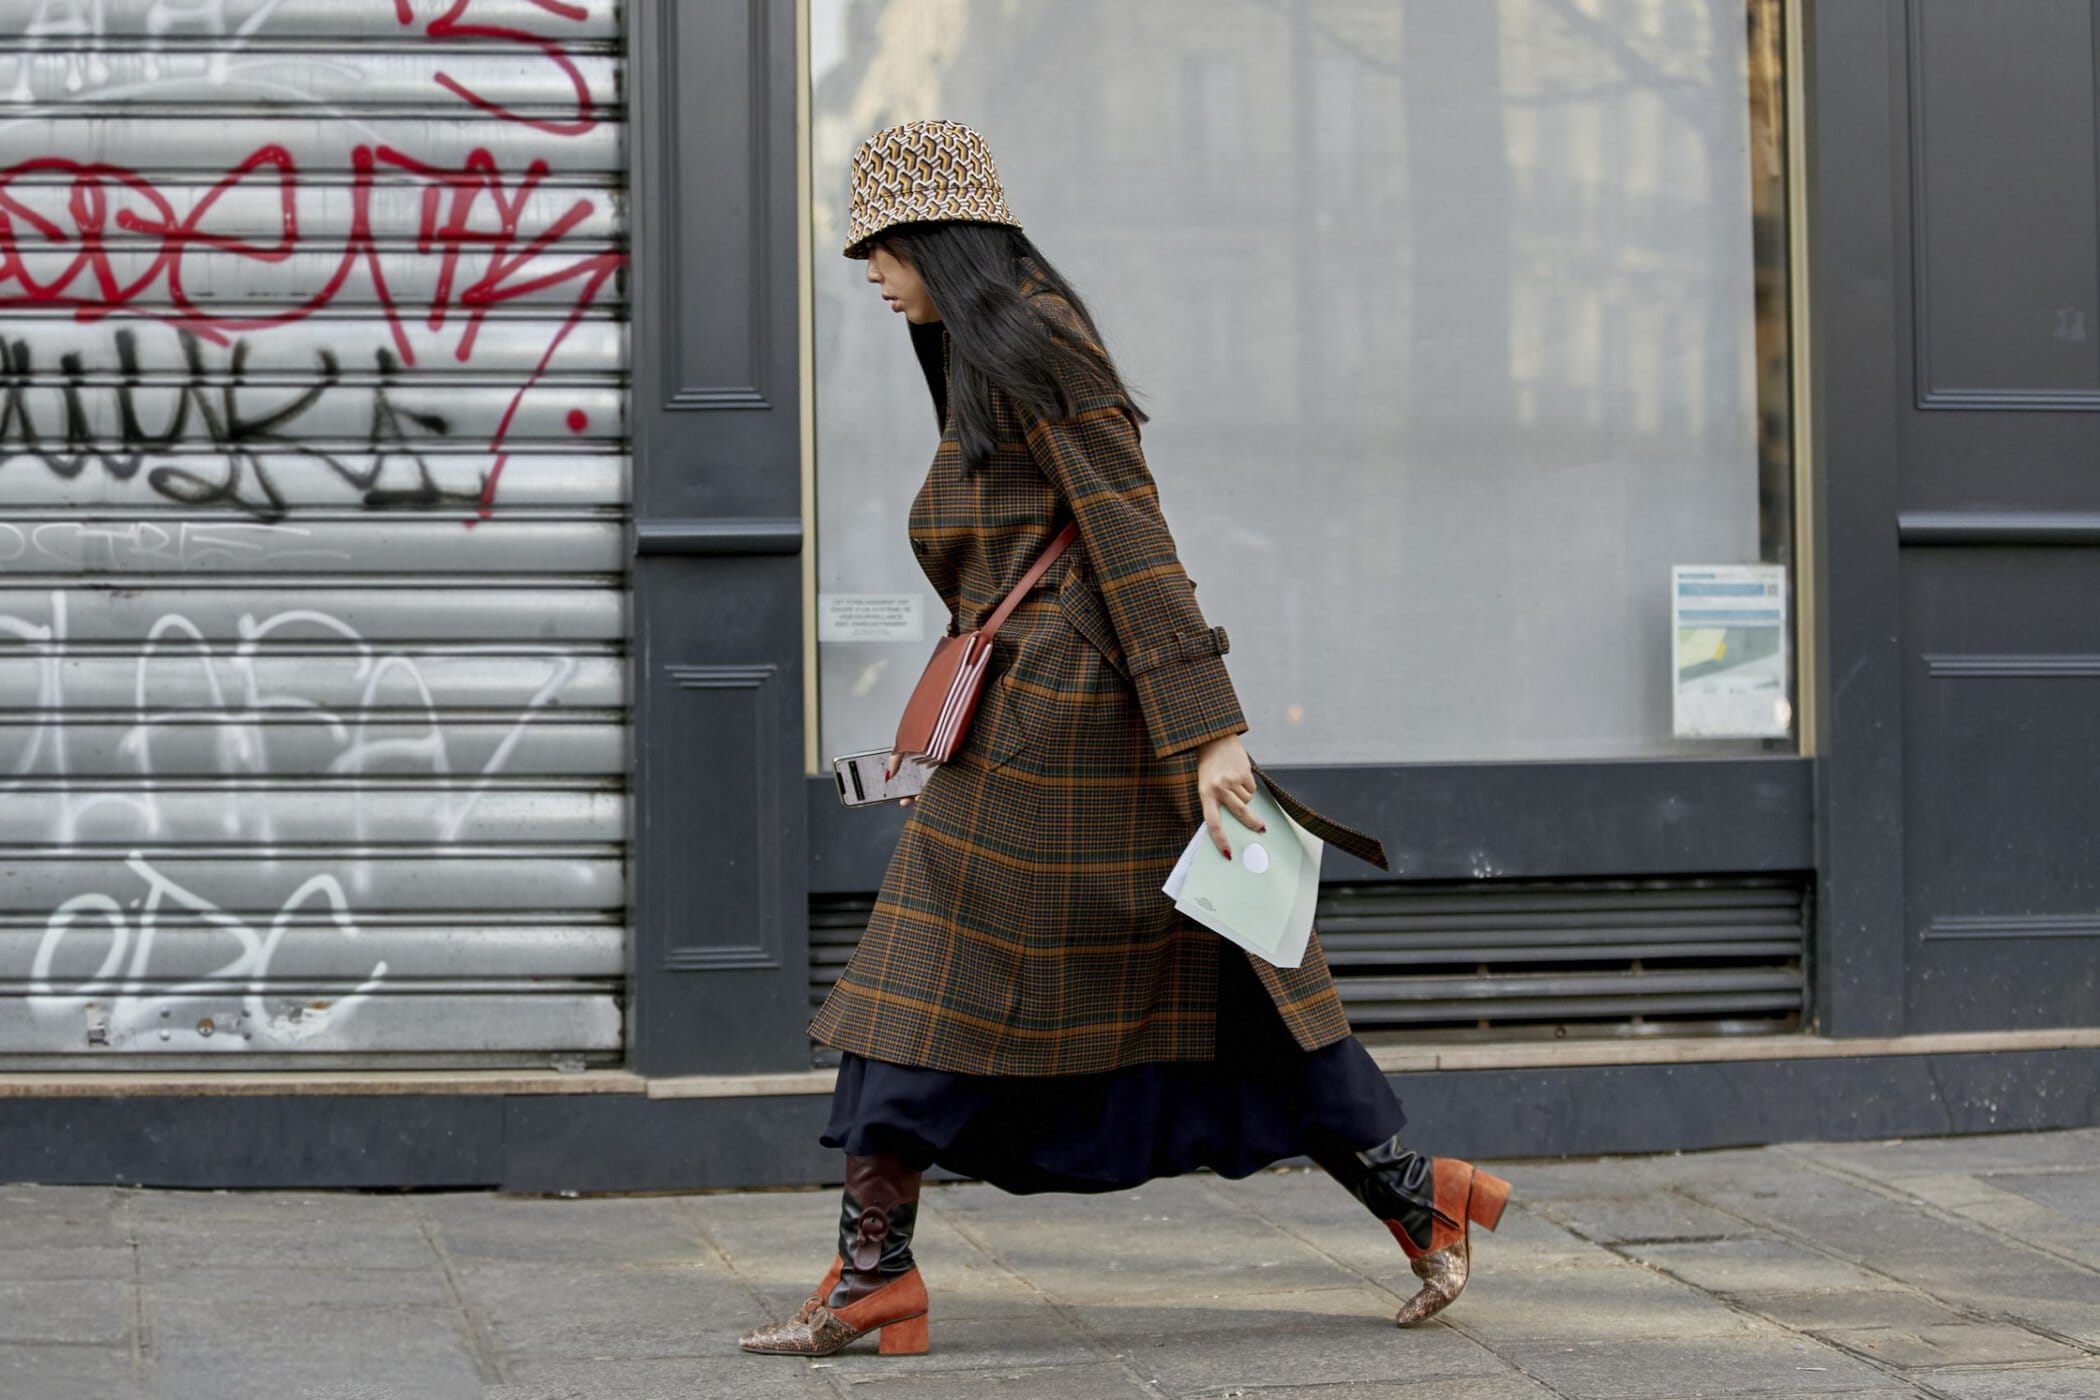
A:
[1020,928]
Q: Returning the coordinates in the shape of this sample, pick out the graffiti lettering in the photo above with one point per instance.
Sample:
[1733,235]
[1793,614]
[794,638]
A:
[76,33]
[208,410]
[240,700]
[509,257]
[450,25]
[132,1012]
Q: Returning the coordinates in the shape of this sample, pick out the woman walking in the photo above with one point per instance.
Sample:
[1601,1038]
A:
[1026,1006]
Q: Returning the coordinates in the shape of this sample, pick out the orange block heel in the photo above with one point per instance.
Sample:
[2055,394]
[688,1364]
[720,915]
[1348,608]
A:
[1485,1201]
[905,1337]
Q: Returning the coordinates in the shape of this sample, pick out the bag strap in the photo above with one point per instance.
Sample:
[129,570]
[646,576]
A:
[1035,571]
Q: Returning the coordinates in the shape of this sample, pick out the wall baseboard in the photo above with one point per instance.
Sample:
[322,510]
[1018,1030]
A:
[623,1140]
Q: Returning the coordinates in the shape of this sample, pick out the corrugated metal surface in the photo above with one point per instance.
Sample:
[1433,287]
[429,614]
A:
[1513,959]
[313,687]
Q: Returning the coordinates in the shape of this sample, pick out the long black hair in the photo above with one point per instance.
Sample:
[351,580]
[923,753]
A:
[975,273]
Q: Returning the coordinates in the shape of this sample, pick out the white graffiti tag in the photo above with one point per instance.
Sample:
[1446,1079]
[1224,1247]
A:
[114,1006]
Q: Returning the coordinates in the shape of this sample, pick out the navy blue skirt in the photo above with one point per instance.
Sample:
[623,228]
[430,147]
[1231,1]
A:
[1260,1100]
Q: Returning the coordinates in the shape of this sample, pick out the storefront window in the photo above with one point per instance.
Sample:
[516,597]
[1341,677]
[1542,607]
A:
[1459,324]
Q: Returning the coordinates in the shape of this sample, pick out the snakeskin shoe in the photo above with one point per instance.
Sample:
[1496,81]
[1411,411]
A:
[1428,1204]
[897,1310]
[873,1283]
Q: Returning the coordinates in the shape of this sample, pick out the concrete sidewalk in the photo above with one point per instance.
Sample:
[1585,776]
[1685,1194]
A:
[1958,1268]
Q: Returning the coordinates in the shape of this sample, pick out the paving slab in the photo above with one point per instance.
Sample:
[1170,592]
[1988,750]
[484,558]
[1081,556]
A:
[62,1372]
[1651,1217]
[1991,1279]
[1831,1309]
[665,1378]
[1611,1368]
[1509,1386]
[575,1311]
[1592,1177]
[319,1284]
[1324,1336]
[1358,1241]
[314,1209]
[1856,1222]
[1890,1160]
[1107,1380]
[96,1312]
[644,1230]
[1949,1344]
[1185,1256]
[2074,1195]
[245,1353]
[48,1263]
[2078,1322]
[1526,1231]
[1517,1303]
[1754,1265]
[2067,1383]
[173,1247]
[60,1216]
[1955,1191]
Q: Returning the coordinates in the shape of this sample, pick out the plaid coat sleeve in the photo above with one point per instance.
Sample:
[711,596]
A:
[1172,655]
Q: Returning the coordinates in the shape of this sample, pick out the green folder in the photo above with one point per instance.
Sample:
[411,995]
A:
[1262,897]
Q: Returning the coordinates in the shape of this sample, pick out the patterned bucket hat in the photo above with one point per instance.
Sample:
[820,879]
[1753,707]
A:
[926,169]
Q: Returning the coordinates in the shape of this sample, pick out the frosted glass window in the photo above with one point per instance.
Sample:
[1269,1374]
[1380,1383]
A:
[1453,319]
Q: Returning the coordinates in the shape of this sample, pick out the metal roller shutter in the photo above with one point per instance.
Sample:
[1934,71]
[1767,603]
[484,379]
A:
[1515,959]
[313,500]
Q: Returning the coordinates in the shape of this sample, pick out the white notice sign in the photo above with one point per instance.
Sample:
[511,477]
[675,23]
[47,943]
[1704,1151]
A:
[1729,667]
[870,617]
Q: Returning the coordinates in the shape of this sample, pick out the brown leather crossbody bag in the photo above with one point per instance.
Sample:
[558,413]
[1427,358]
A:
[939,712]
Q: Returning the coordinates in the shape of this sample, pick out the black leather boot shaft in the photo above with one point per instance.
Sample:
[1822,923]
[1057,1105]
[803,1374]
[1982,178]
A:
[1394,1182]
[877,1211]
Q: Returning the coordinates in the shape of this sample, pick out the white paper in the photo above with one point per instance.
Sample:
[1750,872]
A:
[1280,946]
[1728,651]
[870,617]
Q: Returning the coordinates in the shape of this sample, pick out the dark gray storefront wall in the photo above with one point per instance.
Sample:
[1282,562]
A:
[1956,376]
[718,976]
[1851,150]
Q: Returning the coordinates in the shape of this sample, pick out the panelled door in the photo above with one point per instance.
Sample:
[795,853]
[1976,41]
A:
[1996,490]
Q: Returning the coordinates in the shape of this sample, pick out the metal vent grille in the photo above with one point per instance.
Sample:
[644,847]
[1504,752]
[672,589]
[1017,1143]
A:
[1514,959]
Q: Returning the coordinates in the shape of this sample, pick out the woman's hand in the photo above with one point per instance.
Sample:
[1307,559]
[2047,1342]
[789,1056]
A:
[1224,778]
[889,770]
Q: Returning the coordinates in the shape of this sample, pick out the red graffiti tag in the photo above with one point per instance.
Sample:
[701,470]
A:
[481,267]
[449,26]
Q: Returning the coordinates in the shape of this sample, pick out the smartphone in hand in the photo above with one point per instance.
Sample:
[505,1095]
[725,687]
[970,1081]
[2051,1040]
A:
[861,783]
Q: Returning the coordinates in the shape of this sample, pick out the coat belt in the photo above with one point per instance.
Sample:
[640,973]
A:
[1360,844]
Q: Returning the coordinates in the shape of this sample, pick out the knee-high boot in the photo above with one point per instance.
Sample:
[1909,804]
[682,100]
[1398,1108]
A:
[1427,1203]
[873,1282]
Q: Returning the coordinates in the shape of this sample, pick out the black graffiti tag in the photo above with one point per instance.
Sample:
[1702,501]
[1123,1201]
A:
[389,470]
